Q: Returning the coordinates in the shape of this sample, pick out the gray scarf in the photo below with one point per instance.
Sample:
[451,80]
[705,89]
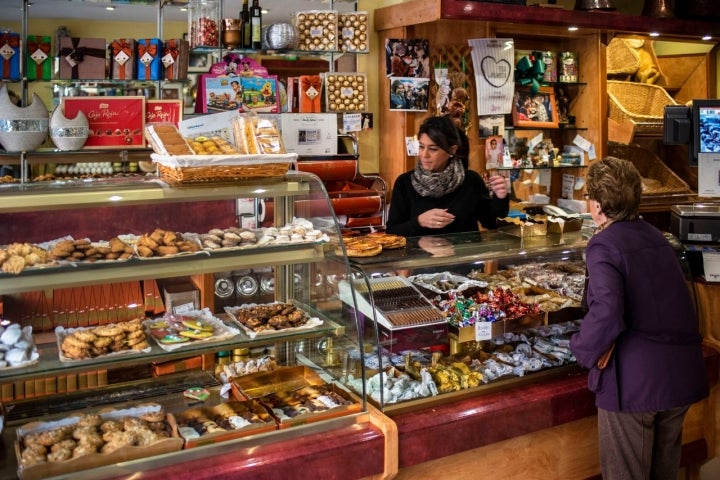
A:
[437,184]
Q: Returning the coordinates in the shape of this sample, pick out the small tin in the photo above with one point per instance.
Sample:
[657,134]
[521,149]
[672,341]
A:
[568,67]
[550,73]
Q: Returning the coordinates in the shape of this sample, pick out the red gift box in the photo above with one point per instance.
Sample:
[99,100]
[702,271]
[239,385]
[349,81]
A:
[122,59]
[82,58]
[114,122]
[163,111]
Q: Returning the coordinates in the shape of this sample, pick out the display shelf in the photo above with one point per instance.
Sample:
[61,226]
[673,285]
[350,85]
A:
[88,273]
[122,191]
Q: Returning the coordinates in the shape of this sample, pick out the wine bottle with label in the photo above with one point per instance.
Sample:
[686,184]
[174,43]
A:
[246,30]
[256,25]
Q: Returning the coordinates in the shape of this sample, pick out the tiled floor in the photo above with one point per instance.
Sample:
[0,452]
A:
[711,470]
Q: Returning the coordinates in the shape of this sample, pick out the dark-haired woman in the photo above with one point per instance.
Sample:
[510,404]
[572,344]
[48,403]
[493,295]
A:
[440,195]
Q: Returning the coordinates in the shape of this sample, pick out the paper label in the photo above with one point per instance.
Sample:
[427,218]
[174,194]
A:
[121,58]
[146,59]
[483,331]
[311,92]
[7,51]
[39,56]
[168,60]
[69,59]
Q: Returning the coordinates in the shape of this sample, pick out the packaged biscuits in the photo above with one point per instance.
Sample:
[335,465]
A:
[165,139]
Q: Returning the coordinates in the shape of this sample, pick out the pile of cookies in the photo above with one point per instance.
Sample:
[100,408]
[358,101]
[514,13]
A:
[83,343]
[16,256]
[228,237]
[93,434]
[272,316]
[162,242]
[84,250]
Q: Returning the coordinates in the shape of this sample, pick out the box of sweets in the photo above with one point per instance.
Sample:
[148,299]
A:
[114,122]
[82,58]
[122,59]
[39,57]
[9,56]
[175,58]
[149,63]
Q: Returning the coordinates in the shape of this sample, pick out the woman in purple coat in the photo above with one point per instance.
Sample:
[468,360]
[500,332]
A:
[639,337]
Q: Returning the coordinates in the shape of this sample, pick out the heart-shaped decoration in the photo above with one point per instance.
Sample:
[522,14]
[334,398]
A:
[495,72]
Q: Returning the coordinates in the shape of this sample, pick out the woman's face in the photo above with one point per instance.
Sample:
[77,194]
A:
[432,157]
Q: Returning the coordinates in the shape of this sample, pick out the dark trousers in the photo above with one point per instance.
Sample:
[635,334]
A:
[640,446]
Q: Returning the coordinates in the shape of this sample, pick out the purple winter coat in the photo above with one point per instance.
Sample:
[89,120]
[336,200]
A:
[638,298]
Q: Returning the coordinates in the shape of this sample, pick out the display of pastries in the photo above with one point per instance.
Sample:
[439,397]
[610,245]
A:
[92,342]
[17,256]
[371,244]
[87,434]
[225,417]
[309,399]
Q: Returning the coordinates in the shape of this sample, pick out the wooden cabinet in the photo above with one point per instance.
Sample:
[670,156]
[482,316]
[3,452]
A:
[448,23]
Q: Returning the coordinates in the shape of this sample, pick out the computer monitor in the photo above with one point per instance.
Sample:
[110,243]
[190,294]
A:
[706,128]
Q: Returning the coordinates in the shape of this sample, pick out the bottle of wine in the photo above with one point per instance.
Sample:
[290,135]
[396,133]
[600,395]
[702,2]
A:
[256,25]
[246,39]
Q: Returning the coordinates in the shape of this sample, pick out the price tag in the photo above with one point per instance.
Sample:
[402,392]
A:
[483,331]
[582,142]
[183,308]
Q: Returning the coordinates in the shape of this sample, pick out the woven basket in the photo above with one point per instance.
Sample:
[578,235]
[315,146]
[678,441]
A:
[621,58]
[652,167]
[222,168]
[641,103]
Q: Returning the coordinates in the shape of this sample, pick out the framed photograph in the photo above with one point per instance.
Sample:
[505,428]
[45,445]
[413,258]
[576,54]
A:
[409,93]
[536,110]
[114,122]
[407,57]
[164,111]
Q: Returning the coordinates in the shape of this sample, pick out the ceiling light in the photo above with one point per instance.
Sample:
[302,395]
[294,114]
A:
[573,29]
[110,8]
[707,37]
[654,34]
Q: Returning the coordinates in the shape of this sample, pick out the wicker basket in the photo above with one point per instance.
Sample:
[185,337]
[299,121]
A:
[651,167]
[640,102]
[622,59]
[222,168]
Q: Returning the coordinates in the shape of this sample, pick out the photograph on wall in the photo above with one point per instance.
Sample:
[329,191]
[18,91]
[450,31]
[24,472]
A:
[534,109]
[494,148]
[407,57]
[409,93]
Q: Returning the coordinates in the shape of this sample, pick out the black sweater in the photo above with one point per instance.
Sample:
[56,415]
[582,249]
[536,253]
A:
[471,203]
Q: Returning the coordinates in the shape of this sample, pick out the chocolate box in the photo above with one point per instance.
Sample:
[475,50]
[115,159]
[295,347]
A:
[122,58]
[259,386]
[149,63]
[82,58]
[309,97]
[39,57]
[346,92]
[115,122]
[175,57]
[9,56]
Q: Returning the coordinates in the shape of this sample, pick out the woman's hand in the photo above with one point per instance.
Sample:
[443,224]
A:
[497,185]
[436,218]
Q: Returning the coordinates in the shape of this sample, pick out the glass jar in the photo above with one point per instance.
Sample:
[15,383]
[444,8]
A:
[204,23]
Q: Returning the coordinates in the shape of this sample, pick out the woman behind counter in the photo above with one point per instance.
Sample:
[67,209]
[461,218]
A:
[639,337]
[441,195]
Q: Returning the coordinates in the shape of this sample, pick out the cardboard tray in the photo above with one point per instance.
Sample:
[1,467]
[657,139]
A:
[257,386]
[254,428]
[49,469]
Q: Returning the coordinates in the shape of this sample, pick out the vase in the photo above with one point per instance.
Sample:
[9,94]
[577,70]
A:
[22,129]
[68,133]
[658,9]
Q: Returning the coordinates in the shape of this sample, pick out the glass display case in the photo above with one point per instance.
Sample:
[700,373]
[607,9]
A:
[454,316]
[52,296]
